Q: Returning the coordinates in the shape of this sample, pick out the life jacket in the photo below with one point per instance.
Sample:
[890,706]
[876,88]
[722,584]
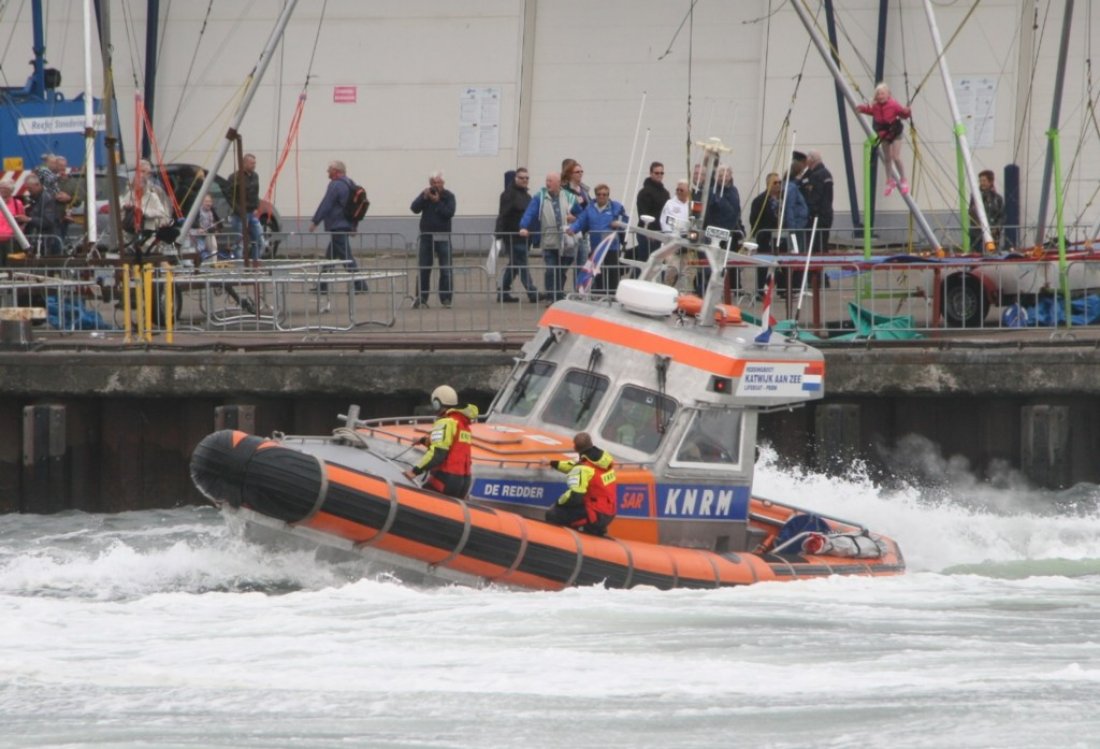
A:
[458,460]
[599,499]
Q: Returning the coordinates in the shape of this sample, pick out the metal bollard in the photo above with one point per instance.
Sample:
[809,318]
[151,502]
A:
[16,331]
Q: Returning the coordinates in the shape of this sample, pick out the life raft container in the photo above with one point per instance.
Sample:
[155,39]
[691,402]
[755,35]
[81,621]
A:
[646,297]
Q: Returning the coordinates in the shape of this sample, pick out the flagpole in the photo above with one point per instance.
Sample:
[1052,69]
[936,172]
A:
[634,146]
[805,272]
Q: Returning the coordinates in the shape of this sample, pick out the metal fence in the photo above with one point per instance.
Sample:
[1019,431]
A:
[302,290]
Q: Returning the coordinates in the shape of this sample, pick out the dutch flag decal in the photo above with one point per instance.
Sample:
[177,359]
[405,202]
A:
[813,377]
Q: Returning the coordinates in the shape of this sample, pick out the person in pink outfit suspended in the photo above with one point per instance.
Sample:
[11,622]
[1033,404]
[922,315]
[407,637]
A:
[886,116]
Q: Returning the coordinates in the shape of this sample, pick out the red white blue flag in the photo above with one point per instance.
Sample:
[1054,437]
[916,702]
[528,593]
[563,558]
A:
[766,319]
[591,268]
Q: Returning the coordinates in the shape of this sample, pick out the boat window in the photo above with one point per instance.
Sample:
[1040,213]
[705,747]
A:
[529,388]
[575,400]
[713,438]
[636,419]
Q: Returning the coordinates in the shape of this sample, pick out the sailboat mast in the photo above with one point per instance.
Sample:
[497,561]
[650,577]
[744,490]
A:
[109,110]
[1055,114]
[152,29]
[842,120]
[231,136]
[922,222]
[960,128]
[89,131]
[880,75]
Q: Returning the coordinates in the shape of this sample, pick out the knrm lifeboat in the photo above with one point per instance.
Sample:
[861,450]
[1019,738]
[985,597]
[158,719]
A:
[670,385]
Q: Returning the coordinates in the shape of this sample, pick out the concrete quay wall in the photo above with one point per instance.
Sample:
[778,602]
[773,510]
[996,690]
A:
[112,429]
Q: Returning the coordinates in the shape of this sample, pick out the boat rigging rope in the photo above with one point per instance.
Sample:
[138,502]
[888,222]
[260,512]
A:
[689,16]
[944,187]
[296,122]
[917,171]
[352,437]
[1091,114]
[835,52]
[936,62]
[778,149]
[1034,61]
[128,25]
[190,69]
[165,182]
[1088,117]
[223,116]
[11,36]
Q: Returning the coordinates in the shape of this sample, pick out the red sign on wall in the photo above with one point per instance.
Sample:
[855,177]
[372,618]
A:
[344,94]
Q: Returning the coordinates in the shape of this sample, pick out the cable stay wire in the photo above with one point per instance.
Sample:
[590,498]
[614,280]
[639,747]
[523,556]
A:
[850,79]
[11,36]
[777,152]
[131,43]
[220,120]
[1029,100]
[679,28]
[187,77]
[936,62]
[296,119]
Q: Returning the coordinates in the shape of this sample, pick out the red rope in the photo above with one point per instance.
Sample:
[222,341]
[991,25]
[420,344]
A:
[160,163]
[136,189]
[291,141]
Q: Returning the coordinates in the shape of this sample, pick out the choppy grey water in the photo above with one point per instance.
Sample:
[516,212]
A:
[166,629]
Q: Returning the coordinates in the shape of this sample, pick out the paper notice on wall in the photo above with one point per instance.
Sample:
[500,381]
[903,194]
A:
[977,106]
[479,121]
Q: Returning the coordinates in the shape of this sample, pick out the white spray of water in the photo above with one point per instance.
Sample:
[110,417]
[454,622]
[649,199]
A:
[962,521]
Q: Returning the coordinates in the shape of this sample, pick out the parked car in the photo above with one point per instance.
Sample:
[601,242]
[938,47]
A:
[970,288]
[102,196]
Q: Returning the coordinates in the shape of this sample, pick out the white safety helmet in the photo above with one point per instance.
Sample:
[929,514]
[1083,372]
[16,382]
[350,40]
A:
[444,395]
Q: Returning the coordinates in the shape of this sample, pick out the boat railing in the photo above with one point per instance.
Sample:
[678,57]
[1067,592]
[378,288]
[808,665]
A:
[358,436]
[796,510]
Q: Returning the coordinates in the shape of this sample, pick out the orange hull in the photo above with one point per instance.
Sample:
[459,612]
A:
[441,533]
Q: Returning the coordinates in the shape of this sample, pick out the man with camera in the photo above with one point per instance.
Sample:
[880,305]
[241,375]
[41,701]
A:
[436,207]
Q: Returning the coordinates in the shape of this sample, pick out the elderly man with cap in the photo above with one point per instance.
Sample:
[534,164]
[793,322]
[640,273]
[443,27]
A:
[447,460]
[816,185]
[588,505]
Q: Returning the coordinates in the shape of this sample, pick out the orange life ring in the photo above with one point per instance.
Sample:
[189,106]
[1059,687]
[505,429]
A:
[724,314]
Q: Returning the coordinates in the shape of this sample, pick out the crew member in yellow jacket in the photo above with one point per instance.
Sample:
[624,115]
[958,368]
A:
[589,503]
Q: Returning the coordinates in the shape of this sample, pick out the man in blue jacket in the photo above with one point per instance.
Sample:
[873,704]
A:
[436,207]
[796,216]
[330,214]
[599,218]
[545,221]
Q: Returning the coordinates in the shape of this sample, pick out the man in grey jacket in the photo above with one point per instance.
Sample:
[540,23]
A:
[330,214]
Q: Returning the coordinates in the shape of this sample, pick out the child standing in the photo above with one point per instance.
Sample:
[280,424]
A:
[206,240]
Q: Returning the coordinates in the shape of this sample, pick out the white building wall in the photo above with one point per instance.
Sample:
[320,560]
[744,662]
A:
[750,63]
